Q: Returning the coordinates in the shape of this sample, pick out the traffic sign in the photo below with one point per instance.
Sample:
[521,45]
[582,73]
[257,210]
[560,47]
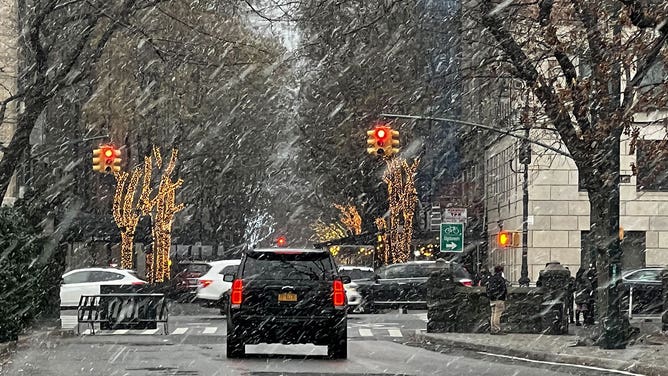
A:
[454,215]
[452,237]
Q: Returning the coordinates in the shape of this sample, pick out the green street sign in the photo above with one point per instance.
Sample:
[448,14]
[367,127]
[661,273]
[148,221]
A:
[452,237]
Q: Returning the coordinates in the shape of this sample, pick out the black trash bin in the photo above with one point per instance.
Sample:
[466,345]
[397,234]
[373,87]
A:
[555,296]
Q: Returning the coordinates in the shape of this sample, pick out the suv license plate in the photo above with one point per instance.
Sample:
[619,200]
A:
[287,297]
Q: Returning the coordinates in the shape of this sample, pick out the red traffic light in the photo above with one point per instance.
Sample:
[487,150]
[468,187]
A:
[281,241]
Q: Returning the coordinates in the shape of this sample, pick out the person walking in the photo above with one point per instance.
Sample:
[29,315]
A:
[496,292]
[570,296]
[583,296]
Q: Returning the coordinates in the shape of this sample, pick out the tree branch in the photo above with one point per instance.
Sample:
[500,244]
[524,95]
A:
[552,104]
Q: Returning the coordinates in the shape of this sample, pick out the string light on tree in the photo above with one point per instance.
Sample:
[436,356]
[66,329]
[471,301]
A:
[402,196]
[350,218]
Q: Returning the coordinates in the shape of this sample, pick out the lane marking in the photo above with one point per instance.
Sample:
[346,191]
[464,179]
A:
[150,331]
[179,331]
[120,331]
[365,332]
[86,332]
[395,333]
[562,364]
[210,330]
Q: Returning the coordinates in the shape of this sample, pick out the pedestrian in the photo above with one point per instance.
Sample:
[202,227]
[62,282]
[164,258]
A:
[483,278]
[496,292]
[592,276]
[583,296]
[570,294]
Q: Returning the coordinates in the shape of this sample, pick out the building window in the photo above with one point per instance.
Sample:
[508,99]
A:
[652,162]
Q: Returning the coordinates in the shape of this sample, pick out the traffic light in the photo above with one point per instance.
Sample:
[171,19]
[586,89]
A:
[383,141]
[393,142]
[281,241]
[508,239]
[106,159]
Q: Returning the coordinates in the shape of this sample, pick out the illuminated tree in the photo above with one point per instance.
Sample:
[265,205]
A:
[350,218]
[126,213]
[402,197]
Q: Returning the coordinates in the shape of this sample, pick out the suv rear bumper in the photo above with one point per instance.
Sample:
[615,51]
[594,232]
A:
[254,329]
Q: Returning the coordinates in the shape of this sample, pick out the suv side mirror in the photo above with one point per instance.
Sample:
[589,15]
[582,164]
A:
[346,279]
[228,277]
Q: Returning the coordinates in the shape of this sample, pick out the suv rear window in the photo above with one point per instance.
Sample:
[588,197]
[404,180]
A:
[284,266]
[420,270]
[357,273]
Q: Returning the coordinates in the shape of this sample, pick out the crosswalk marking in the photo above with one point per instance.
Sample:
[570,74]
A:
[353,330]
[180,331]
[366,332]
[210,330]
[395,333]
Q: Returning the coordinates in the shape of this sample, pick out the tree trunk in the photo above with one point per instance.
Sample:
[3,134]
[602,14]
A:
[20,142]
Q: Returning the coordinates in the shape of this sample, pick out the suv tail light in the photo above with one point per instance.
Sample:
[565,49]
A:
[236,297]
[466,282]
[339,295]
[138,283]
[205,282]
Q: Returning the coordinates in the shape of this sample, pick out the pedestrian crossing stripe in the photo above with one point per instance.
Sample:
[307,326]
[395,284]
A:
[362,332]
[179,331]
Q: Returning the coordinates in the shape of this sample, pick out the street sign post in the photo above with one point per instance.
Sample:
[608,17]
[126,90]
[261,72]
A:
[454,215]
[452,237]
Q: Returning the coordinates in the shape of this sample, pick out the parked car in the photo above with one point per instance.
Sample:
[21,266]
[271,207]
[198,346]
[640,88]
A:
[88,281]
[211,288]
[356,272]
[287,296]
[186,275]
[354,297]
[647,290]
[404,285]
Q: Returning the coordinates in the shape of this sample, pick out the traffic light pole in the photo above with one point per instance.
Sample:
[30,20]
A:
[526,160]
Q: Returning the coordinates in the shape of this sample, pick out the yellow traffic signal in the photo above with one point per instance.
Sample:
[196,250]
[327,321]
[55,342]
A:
[97,165]
[508,239]
[393,143]
[106,159]
[382,140]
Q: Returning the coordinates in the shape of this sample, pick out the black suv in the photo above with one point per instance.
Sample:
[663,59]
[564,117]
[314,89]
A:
[287,296]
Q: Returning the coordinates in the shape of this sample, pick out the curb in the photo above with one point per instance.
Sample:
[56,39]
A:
[11,345]
[619,365]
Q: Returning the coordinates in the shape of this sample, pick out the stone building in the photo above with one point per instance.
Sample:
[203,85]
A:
[8,69]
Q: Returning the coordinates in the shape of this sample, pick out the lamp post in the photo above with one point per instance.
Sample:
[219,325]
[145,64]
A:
[525,159]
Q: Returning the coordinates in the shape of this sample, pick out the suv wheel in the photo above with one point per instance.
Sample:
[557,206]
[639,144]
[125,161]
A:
[235,347]
[338,348]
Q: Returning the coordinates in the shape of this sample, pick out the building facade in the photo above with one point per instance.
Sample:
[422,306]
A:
[558,210]
[8,82]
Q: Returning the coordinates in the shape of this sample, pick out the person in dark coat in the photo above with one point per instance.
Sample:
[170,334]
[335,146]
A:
[583,296]
[570,295]
[483,278]
[497,291]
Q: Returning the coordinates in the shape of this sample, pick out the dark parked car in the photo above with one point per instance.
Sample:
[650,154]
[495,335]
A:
[287,296]
[646,286]
[186,274]
[404,285]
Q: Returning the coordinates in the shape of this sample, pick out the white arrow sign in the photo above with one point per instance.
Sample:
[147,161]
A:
[451,245]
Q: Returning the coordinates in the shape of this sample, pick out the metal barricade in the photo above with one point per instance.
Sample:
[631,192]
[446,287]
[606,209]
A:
[123,311]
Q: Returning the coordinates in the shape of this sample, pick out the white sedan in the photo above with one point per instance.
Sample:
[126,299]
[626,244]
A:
[88,281]
[211,288]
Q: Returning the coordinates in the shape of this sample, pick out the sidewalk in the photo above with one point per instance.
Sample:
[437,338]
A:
[647,356]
